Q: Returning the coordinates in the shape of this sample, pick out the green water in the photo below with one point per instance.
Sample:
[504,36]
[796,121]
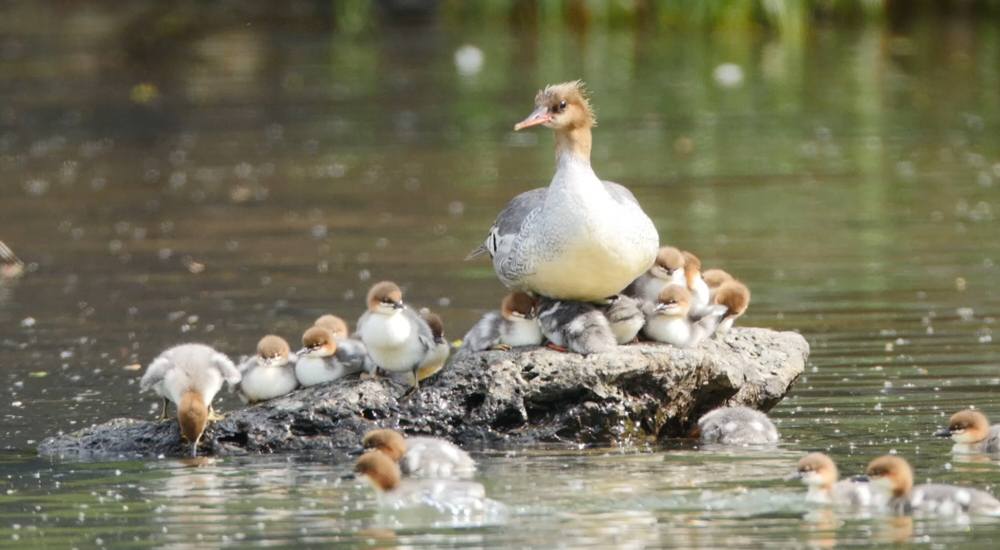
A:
[849,180]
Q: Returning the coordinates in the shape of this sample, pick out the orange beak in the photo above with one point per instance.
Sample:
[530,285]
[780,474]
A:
[540,115]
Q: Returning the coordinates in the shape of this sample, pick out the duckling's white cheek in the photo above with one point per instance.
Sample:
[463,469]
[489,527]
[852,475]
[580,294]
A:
[961,438]
[812,478]
[882,483]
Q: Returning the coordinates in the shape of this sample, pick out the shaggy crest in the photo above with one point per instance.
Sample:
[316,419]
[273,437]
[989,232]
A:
[571,92]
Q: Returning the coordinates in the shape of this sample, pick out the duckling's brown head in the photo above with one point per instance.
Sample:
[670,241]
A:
[381,470]
[967,426]
[273,350]
[668,260]
[334,324]
[714,278]
[818,469]
[518,305]
[388,442]
[192,414]
[674,300]
[318,342]
[692,267]
[735,296]
[561,107]
[892,474]
[385,298]
[435,323]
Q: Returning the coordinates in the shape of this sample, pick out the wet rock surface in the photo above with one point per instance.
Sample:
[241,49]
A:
[495,399]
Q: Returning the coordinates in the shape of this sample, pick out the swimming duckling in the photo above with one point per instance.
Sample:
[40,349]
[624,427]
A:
[334,324]
[668,269]
[819,473]
[695,283]
[398,340]
[458,498]
[421,456]
[714,279]
[513,326]
[668,320]
[735,297]
[269,374]
[737,426]
[580,238]
[892,478]
[574,326]
[324,358]
[971,432]
[439,355]
[189,375]
[625,317]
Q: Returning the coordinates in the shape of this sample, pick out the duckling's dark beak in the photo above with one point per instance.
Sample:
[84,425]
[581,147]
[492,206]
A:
[796,476]
[349,476]
[529,316]
[860,479]
[398,305]
[302,351]
[356,452]
[943,433]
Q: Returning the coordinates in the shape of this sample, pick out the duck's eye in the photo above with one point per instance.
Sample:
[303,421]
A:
[562,106]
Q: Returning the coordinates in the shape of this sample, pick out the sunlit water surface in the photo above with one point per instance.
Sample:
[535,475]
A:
[176,177]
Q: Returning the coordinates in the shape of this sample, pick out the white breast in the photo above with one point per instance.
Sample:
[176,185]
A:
[675,331]
[311,371]
[699,293]
[521,333]
[392,342]
[263,383]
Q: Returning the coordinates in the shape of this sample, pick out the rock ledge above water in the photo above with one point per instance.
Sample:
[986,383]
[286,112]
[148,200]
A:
[496,399]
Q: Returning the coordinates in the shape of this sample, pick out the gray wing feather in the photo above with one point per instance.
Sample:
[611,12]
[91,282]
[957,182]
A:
[226,367]
[483,335]
[508,223]
[424,332]
[154,373]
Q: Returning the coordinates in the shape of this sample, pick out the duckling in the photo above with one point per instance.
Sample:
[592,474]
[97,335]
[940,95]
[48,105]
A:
[458,498]
[737,426]
[892,478]
[439,355]
[334,324]
[574,326]
[269,374]
[625,317]
[714,279]
[398,340]
[513,326]
[668,320]
[819,473]
[695,283]
[668,269]
[323,358]
[580,238]
[189,375]
[735,297]
[421,456]
[971,432]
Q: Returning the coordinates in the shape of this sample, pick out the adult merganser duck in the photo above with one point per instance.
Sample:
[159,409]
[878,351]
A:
[668,269]
[580,238]
[737,426]
[421,456]
[511,327]
[734,296]
[669,320]
[819,473]
[325,358]
[892,478]
[575,326]
[971,432]
[189,375]
[270,373]
[334,324]
[397,338]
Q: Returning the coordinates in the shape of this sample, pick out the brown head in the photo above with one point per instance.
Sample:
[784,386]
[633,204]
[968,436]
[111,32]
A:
[817,469]
[318,342]
[714,278]
[565,109]
[674,300]
[437,325]
[381,470]
[518,305]
[385,298]
[735,296]
[668,260]
[334,324]
[388,442]
[192,414]
[891,474]
[692,268]
[967,426]
[273,350]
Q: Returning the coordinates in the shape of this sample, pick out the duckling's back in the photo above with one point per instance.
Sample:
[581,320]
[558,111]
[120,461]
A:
[948,500]
[737,426]
[430,457]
